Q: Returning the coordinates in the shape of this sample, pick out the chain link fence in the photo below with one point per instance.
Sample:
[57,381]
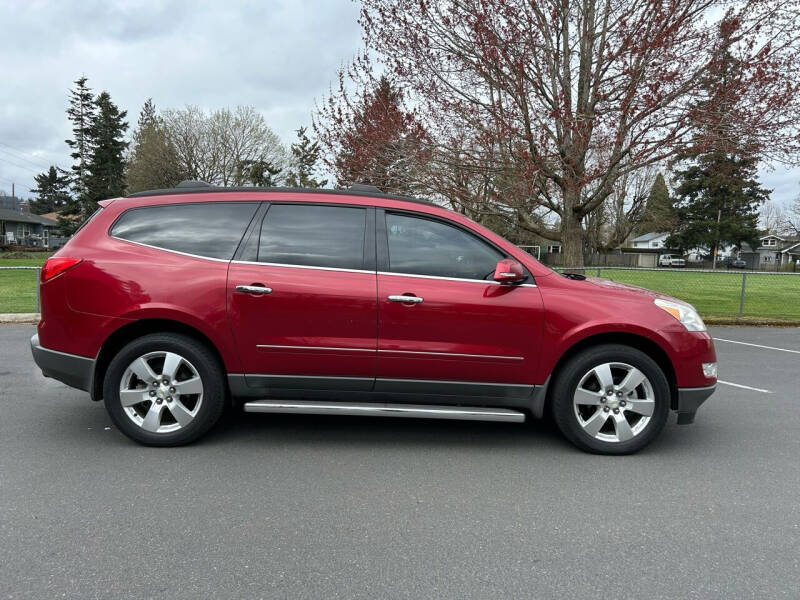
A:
[19,289]
[715,293]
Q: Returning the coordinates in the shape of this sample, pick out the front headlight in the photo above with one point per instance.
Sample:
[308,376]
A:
[684,313]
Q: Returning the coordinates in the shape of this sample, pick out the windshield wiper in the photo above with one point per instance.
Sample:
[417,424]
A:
[575,276]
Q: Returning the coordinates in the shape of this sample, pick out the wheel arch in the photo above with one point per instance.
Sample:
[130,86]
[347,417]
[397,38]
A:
[641,343]
[131,331]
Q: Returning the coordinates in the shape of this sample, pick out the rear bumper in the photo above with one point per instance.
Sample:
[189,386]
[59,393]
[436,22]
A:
[689,400]
[75,371]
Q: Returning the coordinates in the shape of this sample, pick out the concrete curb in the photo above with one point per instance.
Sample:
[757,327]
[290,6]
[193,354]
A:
[750,322]
[19,317]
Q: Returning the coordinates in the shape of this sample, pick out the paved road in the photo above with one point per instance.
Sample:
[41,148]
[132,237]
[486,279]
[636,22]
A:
[327,507]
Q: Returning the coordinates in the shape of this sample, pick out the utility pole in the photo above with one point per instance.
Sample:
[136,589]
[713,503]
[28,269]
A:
[716,242]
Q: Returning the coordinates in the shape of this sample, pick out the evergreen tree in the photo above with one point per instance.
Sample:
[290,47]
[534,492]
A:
[718,198]
[718,194]
[107,165]
[148,117]
[81,113]
[260,173]
[305,155]
[99,154]
[153,162]
[659,213]
[52,191]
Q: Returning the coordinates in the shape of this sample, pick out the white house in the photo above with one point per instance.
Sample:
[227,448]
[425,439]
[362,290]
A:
[650,240]
[772,251]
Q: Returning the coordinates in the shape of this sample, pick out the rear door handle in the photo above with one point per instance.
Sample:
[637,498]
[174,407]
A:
[406,299]
[256,288]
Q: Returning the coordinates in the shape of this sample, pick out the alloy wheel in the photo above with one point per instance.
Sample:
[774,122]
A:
[161,392]
[614,402]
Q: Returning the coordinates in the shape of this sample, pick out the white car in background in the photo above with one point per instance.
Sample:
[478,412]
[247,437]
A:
[671,260]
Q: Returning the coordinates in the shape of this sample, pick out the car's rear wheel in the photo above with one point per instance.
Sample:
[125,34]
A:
[611,399]
[164,390]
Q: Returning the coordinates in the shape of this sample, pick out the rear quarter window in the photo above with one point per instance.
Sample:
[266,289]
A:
[210,229]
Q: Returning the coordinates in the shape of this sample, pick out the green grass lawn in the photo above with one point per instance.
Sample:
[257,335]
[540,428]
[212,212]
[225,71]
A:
[717,294]
[18,290]
[23,259]
[18,286]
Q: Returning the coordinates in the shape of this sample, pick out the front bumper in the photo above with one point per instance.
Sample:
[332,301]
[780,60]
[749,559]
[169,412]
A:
[75,371]
[689,400]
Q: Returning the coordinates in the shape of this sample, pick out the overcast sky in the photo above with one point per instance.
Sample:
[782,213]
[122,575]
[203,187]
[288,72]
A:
[277,55]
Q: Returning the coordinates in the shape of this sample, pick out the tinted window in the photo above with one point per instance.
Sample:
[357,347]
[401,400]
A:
[425,247]
[210,229]
[316,236]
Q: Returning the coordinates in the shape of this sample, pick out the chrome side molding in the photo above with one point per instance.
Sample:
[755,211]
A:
[418,411]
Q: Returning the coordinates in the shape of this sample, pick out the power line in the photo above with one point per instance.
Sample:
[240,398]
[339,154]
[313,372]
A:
[15,157]
[22,154]
[19,166]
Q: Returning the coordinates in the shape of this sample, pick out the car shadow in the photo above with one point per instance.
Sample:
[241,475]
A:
[289,430]
[83,422]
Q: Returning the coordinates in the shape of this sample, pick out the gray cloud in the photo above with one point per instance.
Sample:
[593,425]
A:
[277,55]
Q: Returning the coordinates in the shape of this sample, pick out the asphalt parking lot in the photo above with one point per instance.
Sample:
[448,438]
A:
[333,507]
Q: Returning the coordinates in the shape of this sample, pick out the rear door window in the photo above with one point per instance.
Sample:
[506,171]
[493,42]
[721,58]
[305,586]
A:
[210,229]
[314,236]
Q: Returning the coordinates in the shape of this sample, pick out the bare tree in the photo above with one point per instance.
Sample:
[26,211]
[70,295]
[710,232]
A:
[791,220]
[218,147]
[771,217]
[627,203]
[564,97]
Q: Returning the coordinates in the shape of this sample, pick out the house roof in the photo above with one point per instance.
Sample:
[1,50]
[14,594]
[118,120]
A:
[17,216]
[54,216]
[648,236]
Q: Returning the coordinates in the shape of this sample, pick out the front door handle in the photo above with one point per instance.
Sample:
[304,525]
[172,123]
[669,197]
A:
[406,299]
[256,288]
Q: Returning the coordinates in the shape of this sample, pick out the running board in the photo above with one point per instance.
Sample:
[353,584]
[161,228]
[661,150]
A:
[419,411]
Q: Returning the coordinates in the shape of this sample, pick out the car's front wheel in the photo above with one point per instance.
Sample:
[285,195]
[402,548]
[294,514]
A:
[611,399]
[164,390]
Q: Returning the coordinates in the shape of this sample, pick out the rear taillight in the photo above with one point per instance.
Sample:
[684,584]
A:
[55,266]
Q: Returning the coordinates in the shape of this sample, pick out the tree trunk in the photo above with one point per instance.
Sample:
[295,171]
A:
[572,235]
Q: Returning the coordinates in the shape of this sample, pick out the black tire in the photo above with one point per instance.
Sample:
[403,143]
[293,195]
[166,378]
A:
[573,371]
[204,362]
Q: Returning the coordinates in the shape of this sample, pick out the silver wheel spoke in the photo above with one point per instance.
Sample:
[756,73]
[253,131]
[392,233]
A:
[586,398]
[132,397]
[152,420]
[163,392]
[143,370]
[603,374]
[641,407]
[595,423]
[622,427]
[171,363]
[631,404]
[190,386]
[180,412]
[632,380]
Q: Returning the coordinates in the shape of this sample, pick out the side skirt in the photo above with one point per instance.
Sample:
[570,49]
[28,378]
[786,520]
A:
[517,397]
[427,411]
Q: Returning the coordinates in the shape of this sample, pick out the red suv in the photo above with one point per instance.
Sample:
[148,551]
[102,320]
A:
[170,305]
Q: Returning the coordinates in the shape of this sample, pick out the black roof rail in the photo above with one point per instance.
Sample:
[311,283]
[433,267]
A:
[194,183]
[360,187]
[200,187]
